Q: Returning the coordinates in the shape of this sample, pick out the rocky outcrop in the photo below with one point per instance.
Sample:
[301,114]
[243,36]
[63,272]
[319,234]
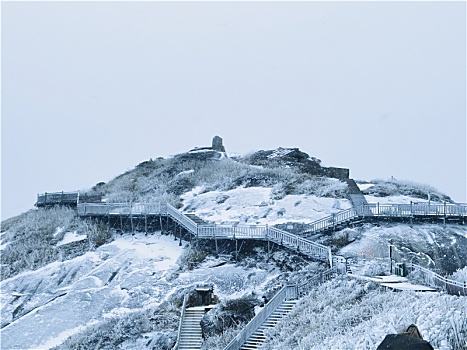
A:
[294,158]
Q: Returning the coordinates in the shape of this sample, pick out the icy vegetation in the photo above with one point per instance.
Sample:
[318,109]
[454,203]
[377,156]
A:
[70,283]
[388,188]
[348,314]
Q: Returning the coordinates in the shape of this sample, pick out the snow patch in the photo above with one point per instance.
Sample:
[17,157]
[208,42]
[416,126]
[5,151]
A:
[363,187]
[3,245]
[58,230]
[71,237]
[253,205]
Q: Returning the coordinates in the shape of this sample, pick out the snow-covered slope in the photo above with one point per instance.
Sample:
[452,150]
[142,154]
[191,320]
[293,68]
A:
[253,205]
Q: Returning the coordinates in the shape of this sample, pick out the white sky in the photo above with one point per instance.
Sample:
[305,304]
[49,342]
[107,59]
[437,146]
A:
[91,89]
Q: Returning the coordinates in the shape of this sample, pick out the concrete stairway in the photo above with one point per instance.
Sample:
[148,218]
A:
[190,335]
[258,337]
[356,196]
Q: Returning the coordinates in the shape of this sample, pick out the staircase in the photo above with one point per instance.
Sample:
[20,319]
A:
[258,337]
[190,332]
[196,219]
[357,198]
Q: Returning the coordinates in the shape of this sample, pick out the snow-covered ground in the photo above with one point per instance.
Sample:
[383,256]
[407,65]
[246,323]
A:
[253,205]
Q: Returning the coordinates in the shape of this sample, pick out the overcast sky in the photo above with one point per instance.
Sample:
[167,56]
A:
[91,89]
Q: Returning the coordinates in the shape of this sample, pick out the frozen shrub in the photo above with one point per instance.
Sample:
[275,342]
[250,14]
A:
[112,333]
[323,187]
[378,267]
[190,258]
[32,238]
[460,275]
[228,314]
[278,192]
[220,341]
[395,187]
[348,314]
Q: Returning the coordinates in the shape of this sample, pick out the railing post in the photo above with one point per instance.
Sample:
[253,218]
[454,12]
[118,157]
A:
[444,220]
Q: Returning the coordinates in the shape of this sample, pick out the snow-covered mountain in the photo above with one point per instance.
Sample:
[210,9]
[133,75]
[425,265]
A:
[70,283]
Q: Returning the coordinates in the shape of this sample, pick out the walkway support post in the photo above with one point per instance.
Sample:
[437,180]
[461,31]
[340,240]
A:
[180,243]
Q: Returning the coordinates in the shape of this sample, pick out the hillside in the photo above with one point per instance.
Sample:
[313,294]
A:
[74,283]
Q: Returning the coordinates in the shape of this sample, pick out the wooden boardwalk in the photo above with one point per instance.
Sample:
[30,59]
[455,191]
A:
[147,216]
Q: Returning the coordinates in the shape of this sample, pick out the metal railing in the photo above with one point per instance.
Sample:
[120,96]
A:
[259,319]
[233,231]
[303,245]
[434,280]
[288,292]
[57,198]
[257,232]
[418,209]
[90,209]
[181,219]
[182,315]
[376,210]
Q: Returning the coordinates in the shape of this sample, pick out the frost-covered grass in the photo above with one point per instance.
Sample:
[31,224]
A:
[157,324]
[394,187]
[32,239]
[349,314]
[167,179]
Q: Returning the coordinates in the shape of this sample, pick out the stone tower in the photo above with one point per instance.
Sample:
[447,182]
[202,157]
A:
[217,144]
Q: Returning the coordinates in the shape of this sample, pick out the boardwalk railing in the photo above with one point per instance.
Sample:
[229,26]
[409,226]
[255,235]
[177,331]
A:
[376,210]
[257,232]
[57,198]
[288,292]
[103,209]
[434,280]
[65,198]
[418,209]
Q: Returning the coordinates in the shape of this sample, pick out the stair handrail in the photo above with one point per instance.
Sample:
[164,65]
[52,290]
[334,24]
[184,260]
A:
[302,244]
[436,280]
[287,292]
[335,219]
[258,320]
[182,315]
[181,219]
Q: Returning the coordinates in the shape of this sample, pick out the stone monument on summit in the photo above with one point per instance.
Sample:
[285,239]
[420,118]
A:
[217,144]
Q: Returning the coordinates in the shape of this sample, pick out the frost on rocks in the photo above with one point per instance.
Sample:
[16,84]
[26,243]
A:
[65,297]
